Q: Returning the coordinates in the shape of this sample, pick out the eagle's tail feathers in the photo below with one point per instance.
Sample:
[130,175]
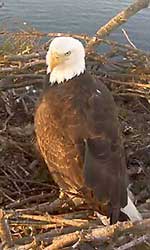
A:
[131,211]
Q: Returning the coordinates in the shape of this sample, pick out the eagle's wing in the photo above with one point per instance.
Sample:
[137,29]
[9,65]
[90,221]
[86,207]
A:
[104,165]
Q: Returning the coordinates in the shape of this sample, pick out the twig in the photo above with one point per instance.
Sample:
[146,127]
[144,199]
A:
[51,207]
[11,142]
[33,64]
[133,243]
[131,95]
[13,181]
[38,198]
[33,182]
[128,39]
[24,58]
[46,237]
[29,246]
[81,36]
[8,69]
[24,75]
[22,85]
[6,195]
[56,219]
[131,84]
[6,123]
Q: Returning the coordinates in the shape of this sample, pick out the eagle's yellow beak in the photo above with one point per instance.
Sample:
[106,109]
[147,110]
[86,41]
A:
[56,59]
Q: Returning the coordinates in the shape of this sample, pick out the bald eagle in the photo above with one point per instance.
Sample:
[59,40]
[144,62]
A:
[78,133]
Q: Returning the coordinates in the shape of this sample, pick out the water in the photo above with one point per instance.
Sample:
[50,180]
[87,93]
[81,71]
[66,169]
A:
[78,16]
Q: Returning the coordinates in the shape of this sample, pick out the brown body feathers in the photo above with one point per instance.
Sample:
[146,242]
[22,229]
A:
[78,135]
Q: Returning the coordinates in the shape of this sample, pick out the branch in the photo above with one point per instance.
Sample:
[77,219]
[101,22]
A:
[39,197]
[56,219]
[22,85]
[118,20]
[24,58]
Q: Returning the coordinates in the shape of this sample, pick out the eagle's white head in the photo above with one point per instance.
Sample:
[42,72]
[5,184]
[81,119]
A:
[65,59]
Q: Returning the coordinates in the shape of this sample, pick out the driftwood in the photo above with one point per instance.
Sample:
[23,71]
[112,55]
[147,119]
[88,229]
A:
[33,217]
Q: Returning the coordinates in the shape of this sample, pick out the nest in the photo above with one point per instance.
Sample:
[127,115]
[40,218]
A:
[33,214]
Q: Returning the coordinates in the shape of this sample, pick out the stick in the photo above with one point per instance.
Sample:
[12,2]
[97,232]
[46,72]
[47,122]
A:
[5,233]
[38,198]
[29,246]
[133,84]
[24,58]
[63,241]
[22,85]
[56,219]
[133,243]
[51,207]
[81,36]
[46,237]
[128,39]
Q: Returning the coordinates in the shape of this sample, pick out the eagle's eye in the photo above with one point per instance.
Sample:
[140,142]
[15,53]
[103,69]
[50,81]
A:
[67,53]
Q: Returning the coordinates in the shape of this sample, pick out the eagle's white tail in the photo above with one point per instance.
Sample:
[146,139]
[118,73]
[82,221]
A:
[131,211]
